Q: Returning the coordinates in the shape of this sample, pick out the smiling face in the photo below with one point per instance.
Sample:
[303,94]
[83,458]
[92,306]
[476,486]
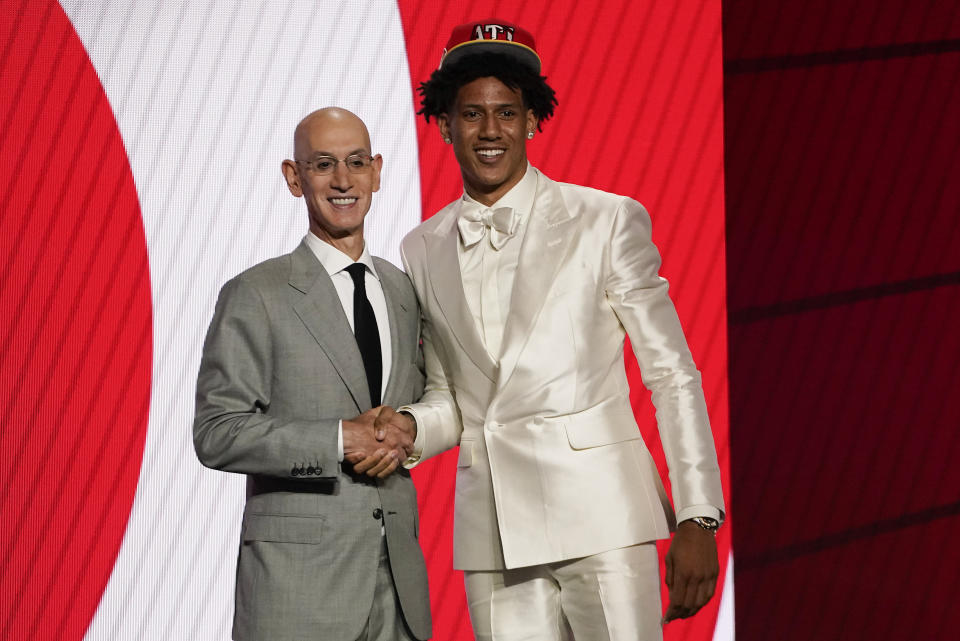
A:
[488,126]
[337,202]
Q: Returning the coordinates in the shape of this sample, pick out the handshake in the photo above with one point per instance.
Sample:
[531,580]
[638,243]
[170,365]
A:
[378,441]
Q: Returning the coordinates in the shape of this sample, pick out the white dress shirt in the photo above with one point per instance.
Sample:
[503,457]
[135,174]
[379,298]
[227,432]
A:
[488,273]
[335,263]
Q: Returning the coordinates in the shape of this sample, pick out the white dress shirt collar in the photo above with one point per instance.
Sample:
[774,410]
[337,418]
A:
[334,260]
[520,197]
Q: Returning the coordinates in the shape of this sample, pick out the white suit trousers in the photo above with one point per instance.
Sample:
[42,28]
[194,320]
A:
[611,596]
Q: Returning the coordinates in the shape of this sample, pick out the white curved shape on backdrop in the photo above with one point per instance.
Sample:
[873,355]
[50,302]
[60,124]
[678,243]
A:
[725,629]
[206,94]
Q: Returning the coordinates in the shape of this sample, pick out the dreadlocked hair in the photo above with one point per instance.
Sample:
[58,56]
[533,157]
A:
[439,93]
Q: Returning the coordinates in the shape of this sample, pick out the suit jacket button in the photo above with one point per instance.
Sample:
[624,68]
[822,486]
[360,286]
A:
[378,513]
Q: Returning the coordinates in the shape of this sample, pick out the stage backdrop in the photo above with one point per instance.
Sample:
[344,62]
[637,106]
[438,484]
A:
[140,151]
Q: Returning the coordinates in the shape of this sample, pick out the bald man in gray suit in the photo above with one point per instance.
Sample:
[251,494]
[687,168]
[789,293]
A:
[300,352]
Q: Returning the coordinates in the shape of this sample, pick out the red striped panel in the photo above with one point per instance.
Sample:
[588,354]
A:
[843,193]
[640,92]
[841,168]
[753,29]
[895,585]
[75,323]
[865,417]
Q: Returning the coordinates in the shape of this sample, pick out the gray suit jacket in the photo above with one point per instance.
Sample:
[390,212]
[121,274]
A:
[280,368]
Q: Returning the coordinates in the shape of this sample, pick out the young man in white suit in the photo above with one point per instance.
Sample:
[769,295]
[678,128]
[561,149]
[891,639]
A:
[527,289]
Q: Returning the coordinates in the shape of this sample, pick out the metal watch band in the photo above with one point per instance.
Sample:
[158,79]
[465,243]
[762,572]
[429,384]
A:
[706,523]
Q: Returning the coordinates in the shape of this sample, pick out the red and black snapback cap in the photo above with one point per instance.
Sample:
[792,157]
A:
[491,36]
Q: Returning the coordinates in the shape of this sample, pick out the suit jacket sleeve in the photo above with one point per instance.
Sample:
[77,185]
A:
[638,295]
[438,418]
[233,429]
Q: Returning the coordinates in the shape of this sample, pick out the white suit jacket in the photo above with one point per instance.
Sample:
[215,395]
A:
[551,464]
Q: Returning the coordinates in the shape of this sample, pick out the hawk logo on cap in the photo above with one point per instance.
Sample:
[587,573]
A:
[494,30]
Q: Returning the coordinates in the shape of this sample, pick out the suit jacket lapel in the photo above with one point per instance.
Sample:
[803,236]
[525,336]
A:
[447,284]
[330,330]
[548,237]
[400,341]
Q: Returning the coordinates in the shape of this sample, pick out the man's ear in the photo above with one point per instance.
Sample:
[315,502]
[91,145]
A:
[532,121]
[444,124]
[289,169]
[376,165]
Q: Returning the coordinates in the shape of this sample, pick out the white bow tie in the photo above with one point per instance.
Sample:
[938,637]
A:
[474,222]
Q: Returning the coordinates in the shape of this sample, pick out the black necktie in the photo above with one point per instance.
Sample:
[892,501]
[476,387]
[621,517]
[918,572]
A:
[366,332]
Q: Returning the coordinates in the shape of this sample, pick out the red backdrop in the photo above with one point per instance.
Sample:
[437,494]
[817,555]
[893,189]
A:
[75,325]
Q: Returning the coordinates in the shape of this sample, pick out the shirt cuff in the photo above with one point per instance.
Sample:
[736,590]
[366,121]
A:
[414,458]
[707,511]
[340,441]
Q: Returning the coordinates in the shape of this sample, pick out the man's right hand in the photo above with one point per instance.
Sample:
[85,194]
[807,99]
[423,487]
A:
[691,570]
[369,454]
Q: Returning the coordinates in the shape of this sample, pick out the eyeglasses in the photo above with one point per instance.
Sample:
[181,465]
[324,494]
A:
[326,165]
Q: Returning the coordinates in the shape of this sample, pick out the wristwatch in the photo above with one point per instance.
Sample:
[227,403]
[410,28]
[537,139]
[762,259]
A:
[706,523]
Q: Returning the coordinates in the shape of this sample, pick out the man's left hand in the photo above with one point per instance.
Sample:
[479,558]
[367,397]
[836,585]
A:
[391,419]
[691,570]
